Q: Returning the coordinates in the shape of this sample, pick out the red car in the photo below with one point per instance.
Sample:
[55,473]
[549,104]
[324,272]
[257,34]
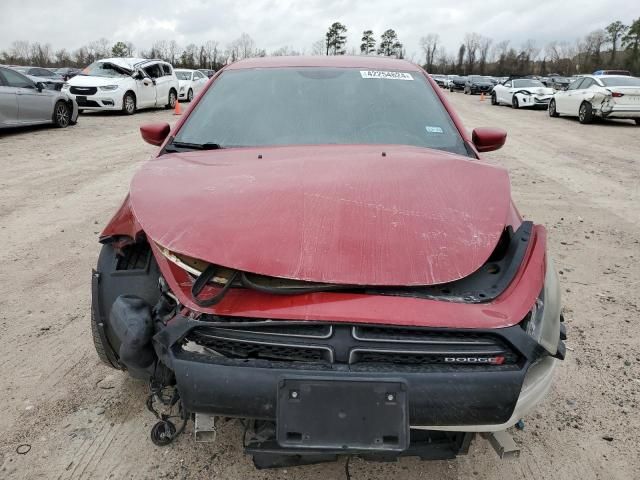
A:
[319,250]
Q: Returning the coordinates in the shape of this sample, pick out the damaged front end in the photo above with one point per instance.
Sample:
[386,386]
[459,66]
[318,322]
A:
[218,342]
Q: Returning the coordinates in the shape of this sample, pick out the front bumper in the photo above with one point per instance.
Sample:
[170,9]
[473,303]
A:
[534,100]
[111,100]
[440,397]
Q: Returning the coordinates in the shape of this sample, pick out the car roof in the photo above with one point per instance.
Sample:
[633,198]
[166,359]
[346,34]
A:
[130,63]
[335,61]
[184,70]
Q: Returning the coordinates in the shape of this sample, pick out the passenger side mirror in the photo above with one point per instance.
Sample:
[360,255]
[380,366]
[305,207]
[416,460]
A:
[138,75]
[155,133]
[488,139]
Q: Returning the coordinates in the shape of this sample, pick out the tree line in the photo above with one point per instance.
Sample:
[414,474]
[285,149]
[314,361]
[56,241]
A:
[615,46]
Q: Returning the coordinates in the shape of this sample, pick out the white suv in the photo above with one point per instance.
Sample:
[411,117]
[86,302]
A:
[126,84]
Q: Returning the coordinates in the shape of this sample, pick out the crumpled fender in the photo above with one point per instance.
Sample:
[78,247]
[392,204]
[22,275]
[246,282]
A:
[123,228]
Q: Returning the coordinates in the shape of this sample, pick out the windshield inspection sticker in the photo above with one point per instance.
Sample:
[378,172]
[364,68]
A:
[434,129]
[386,75]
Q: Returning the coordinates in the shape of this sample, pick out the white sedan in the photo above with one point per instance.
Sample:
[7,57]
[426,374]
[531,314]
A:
[606,96]
[521,92]
[191,82]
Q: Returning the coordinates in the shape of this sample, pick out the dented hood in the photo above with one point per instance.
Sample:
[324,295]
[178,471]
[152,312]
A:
[339,214]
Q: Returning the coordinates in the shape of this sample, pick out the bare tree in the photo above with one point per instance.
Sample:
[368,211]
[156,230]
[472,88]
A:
[472,44]
[318,47]
[615,31]
[429,44]
[211,53]
[593,44]
[461,52]
[483,51]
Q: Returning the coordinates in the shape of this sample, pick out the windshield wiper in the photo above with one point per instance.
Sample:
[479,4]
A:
[186,146]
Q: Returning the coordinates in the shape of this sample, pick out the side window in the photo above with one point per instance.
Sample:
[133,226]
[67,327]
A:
[154,71]
[14,79]
[41,72]
[575,85]
[587,83]
[166,69]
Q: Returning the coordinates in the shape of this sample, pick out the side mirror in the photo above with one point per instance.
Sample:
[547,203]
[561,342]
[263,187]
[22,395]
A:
[155,133]
[488,139]
[138,75]
[40,86]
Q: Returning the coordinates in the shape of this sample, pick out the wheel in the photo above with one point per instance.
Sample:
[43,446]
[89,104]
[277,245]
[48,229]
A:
[129,103]
[514,102]
[80,111]
[62,115]
[585,113]
[494,100]
[173,98]
[451,89]
[189,95]
[552,109]
[637,120]
[163,433]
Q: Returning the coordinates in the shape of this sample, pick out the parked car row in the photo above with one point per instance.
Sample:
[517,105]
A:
[586,97]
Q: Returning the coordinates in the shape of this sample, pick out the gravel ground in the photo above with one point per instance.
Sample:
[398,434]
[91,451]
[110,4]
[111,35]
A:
[83,420]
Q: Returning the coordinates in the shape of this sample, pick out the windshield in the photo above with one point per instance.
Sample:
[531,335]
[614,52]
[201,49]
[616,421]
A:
[183,75]
[620,81]
[319,106]
[527,83]
[105,69]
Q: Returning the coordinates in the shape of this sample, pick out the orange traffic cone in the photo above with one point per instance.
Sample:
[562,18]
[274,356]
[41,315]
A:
[482,96]
[177,110]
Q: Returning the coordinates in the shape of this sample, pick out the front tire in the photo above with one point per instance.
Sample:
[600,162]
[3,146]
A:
[585,113]
[189,95]
[61,115]
[173,98]
[129,103]
[515,103]
[494,99]
[552,109]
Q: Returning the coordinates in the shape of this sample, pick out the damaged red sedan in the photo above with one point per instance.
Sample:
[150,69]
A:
[318,249]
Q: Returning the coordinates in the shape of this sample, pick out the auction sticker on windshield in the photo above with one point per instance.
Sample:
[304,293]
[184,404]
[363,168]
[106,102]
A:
[386,75]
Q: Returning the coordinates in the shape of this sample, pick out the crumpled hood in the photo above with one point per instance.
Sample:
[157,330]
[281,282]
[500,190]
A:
[91,81]
[339,214]
[536,90]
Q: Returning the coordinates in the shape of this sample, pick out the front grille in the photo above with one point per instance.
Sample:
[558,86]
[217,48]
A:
[83,90]
[87,103]
[354,345]
[256,350]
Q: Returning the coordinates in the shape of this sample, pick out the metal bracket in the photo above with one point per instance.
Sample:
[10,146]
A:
[503,443]
[205,428]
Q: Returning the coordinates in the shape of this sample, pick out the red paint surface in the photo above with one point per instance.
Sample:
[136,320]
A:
[507,310]
[155,133]
[487,139]
[343,214]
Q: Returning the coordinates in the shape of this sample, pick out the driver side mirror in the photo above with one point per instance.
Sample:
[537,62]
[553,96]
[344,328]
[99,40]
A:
[155,133]
[40,86]
[488,139]
[138,75]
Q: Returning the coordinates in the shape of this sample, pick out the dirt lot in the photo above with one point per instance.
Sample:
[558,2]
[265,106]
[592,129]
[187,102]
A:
[83,420]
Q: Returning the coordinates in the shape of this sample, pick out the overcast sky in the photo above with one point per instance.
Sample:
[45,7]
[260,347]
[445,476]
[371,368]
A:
[298,24]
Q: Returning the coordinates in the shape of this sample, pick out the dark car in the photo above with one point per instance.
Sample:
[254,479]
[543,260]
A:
[557,82]
[457,83]
[349,279]
[478,84]
[67,73]
[209,73]
[441,80]
[48,78]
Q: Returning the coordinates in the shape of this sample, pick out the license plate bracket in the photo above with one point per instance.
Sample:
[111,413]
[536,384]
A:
[81,99]
[342,415]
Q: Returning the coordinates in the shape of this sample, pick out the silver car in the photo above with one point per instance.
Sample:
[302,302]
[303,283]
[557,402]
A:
[26,102]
